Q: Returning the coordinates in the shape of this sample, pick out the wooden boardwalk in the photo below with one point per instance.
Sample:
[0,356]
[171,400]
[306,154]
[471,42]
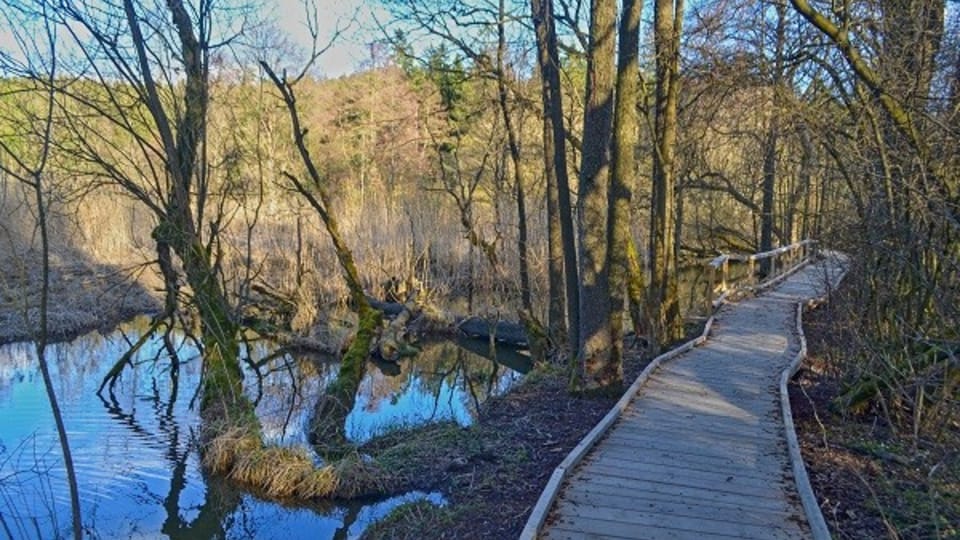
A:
[701,451]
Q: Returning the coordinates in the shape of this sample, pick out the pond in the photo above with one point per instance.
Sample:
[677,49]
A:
[135,449]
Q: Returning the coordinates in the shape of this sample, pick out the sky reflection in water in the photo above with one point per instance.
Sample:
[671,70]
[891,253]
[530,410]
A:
[134,451]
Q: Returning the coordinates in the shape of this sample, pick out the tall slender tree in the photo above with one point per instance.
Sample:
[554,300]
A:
[564,306]
[32,172]
[624,179]
[771,144]
[668,24]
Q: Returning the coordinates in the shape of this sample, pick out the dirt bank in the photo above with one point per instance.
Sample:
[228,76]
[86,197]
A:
[83,297]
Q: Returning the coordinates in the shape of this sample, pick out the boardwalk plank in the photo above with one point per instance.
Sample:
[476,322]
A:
[728,467]
[605,484]
[653,526]
[726,484]
[719,427]
[700,452]
[706,454]
[630,496]
[691,436]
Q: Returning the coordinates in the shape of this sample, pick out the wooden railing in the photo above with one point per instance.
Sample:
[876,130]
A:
[773,266]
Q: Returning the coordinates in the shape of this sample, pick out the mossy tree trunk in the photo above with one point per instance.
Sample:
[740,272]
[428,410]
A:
[328,424]
[223,399]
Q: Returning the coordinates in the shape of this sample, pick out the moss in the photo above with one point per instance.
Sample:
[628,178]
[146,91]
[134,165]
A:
[410,520]
[327,428]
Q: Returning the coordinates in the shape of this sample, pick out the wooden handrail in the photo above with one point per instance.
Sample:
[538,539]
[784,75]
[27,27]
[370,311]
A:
[719,267]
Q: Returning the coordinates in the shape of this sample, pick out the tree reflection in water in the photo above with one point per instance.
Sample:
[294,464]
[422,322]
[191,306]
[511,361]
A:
[137,456]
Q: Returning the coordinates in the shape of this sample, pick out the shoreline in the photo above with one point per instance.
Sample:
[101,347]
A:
[82,298]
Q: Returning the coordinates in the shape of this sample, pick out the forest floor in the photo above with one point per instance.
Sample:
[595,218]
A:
[871,482]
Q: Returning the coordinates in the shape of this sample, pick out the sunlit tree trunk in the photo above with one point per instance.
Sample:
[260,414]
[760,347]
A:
[771,144]
[596,340]
[563,271]
[668,22]
[624,178]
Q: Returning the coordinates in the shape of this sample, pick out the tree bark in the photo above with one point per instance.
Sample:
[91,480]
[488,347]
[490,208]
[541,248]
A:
[562,249]
[623,182]
[668,21]
[596,340]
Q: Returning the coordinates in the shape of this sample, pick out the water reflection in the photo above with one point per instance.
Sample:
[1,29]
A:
[135,447]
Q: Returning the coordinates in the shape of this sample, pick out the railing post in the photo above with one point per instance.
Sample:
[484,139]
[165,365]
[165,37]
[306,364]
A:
[711,282]
[723,274]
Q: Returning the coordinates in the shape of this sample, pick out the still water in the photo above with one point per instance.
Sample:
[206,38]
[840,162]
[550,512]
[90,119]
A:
[135,452]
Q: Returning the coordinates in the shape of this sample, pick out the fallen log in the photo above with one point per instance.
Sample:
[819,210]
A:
[516,359]
[434,322]
[500,331]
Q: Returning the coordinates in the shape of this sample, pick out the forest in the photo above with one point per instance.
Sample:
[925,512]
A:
[550,177]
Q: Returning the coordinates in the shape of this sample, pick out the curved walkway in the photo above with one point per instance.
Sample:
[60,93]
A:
[701,451]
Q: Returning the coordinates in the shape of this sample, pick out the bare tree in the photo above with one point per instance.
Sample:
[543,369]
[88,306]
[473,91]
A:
[39,71]
[901,175]
[564,307]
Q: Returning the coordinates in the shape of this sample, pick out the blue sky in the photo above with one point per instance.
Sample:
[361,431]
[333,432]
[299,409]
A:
[349,52]
[351,49]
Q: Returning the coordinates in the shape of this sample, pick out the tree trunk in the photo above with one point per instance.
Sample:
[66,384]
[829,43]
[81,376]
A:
[331,410]
[770,148]
[515,158]
[222,393]
[768,189]
[667,326]
[623,181]
[596,340]
[636,287]
[564,281]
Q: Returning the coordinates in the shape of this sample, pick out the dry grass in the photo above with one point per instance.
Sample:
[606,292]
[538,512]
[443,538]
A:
[84,296]
[289,473]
